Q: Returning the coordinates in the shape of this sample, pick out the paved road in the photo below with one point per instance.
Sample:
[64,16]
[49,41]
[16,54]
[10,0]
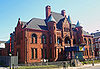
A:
[3,68]
[93,67]
[89,66]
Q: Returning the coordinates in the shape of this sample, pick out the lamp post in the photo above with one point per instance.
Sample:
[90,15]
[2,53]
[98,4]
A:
[92,55]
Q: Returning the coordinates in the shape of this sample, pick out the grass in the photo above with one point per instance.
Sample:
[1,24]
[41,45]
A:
[90,62]
[31,67]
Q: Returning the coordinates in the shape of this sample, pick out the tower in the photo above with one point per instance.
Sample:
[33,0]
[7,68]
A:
[79,33]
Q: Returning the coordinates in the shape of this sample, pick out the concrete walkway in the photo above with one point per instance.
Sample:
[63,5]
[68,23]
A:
[87,66]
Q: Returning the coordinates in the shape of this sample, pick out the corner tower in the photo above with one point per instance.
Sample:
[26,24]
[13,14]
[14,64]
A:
[79,33]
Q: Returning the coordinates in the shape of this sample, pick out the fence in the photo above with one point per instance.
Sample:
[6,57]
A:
[8,60]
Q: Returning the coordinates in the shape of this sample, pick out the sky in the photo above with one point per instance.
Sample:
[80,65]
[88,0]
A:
[86,11]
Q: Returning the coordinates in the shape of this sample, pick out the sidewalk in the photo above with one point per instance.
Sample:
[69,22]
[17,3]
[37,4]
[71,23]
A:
[84,66]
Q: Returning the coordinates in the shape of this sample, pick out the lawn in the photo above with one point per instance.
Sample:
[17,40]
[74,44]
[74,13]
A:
[33,67]
[90,62]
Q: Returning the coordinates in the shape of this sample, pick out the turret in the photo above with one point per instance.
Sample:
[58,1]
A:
[69,20]
[51,22]
[79,33]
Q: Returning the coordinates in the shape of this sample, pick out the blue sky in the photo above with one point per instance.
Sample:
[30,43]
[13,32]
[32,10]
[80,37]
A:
[86,11]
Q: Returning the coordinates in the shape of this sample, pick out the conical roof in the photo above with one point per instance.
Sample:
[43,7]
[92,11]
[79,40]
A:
[69,20]
[78,24]
[51,18]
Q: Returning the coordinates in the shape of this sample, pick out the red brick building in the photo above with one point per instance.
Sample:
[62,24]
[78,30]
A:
[96,40]
[47,38]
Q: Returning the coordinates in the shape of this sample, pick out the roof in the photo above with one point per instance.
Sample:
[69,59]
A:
[36,23]
[40,24]
[23,23]
[85,33]
[96,35]
[51,18]
[57,16]
[69,20]
[78,24]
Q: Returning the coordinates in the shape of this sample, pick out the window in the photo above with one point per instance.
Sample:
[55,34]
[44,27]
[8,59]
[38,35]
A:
[34,38]
[55,38]
[58,54]
[61,51]
[43,39]
[87,52]
[34,53]
[50,52]
[67,40]
[74,42]
[45,53]
[59,41]
[85,41]
[32,50]
[55,52]
[41,53]
[50,39]
[54,27]
[89,42]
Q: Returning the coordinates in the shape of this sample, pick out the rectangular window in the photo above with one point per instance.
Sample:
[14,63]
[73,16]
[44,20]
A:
[45,54]
[58,54]
[35,53]
[55,52]
[41,53]
[32,50]
[50,52]
[61,51]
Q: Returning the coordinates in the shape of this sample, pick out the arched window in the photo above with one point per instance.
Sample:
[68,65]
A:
[34,38]
[43,39]
[89,42]
[67,40]
[85,41]
[59,41]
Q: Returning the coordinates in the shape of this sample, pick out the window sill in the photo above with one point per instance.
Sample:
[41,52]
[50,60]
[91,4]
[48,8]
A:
[33,43]
[33,59]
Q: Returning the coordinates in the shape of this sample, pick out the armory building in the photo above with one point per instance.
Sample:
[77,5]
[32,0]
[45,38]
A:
[54,38]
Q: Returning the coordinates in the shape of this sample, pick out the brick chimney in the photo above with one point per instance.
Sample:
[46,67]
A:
[48,11]
[63,13]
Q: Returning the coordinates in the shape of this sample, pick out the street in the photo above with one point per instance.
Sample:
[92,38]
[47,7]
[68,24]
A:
[3,68]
